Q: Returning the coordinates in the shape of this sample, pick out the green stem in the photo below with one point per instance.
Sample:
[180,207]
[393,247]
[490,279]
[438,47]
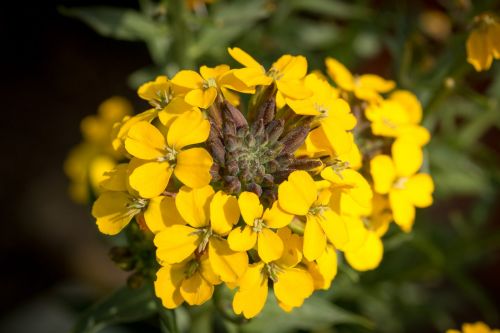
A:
[168,321]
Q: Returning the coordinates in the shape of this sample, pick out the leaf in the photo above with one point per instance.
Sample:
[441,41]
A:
[454,172]
[230,21]
[124,305]
[332,8]
[315,314]
[118,23]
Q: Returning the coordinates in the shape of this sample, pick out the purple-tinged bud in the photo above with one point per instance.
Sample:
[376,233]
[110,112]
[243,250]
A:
[235,114]
[274,129]
[294,139]
[255,188]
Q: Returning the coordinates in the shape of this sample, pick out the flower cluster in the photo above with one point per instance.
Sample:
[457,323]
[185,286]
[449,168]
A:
[270,191]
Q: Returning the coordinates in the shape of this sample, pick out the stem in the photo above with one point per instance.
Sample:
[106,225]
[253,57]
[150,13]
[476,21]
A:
[168,321]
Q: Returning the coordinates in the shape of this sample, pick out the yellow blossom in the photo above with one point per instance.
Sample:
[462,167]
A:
[298,195]
[203,89]
[287,73]
[163,155]
[478,327]
[291,283]
[397,177]
[367,87]
[483,44]
[208,217]
[258,228]
[191,281]
[166,98]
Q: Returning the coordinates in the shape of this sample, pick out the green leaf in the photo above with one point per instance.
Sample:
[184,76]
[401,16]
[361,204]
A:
[230,21]
[332,8]
[315,314]
[118,23]
[124,305]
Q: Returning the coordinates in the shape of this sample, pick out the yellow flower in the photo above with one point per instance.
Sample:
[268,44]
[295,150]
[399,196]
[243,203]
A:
[298,195]
[120,129]
[397,177]
[258,228]
[483,44]
[398,116]
[166,98]
[478,327]
[291,283]
[208,217]
[192,281]
[203,89]
[333,119]
[367,87]
[163,155]
[119,204]
[287,73]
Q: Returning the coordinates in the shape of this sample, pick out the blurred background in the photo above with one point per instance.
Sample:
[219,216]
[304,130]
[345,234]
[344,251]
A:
[57,70]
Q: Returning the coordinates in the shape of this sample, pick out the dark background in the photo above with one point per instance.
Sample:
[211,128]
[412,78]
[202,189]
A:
[55,71]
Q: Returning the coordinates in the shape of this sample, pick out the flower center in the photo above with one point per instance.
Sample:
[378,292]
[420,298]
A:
[191,268]
[210,83]
[272,271]
[170,156]
[274,74]
[258,225]
[317,209]
[137,204]
[400,183]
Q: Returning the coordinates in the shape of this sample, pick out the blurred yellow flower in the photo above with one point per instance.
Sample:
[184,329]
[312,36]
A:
[478,327]
[483,44]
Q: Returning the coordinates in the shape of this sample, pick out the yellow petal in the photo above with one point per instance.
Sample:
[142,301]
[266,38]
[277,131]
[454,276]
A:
[243,58]
[154,90]
[334,138]
[112,212]
[188,79]
[224,213]
[269,245]
[189,128]
[291,67]
[162,213]
[194,205]
[206,270]
[294,285]
[249,300]
[276,218]
[230,265]
[202,98]
[334,228]
[253,76]
[120,130]
[479,50]
[383,173]
[375,83]
[294,89]
[339,74]
[402,209]
[250,207]
[314,239]
[196,290]
[167,285]
[176,107]
[410,103]
[292,251]
[176,243]
[419,189]
[150,179]
[193,167]
[494,36]
[145,141]
[417,134]
[327,267]
[357,232]
[242,239]
[116,179]
[303,106]
[297,194]
[407,157]
[368,256]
